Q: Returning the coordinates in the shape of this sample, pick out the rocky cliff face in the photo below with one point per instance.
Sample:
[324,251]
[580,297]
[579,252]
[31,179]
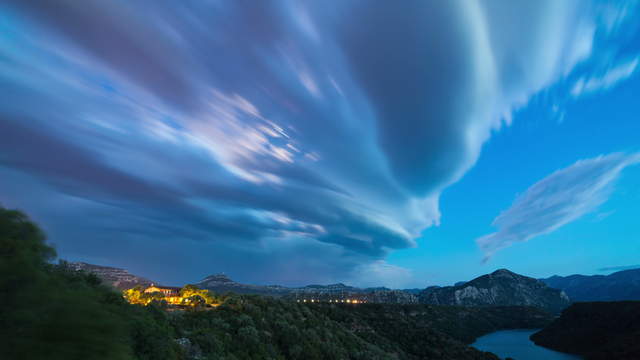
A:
[220,283]
[500,288]
[621,285]
[119,278]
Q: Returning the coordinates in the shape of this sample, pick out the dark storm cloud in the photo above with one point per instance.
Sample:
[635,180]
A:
[115,35]
[279,140]
[422,117]
[70,166]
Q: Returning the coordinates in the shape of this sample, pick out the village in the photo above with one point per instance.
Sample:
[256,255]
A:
[193,296]
[187,296]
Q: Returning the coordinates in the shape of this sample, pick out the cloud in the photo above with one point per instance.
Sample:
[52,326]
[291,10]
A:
[381,273]
[609,79]
[227,131]
[619,268]
[556,200]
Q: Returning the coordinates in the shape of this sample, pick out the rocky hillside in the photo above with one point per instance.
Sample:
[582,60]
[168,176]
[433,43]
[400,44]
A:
[118,278]
[621,285]
[595,330]
[502,288]
[221,283]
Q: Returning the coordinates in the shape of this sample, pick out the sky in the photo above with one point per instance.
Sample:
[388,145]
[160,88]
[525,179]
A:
[400,144]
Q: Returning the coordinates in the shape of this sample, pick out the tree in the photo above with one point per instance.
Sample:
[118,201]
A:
[194,300]
[147,298]
[53,312]
[189,291]
[134,295]
[47,310]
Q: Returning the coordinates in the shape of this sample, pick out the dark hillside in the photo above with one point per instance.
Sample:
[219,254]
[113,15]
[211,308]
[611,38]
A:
[621,285]
[596,330]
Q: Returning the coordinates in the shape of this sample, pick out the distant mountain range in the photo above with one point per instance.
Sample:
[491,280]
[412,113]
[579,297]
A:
[221,283]
[621,285]
[500,288]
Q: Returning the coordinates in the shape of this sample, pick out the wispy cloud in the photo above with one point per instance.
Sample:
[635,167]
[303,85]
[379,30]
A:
[609,79]
[619,268]
[556,200]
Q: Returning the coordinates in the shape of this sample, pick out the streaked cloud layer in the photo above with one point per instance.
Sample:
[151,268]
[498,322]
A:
[276,131]
[619,268]
[558,199]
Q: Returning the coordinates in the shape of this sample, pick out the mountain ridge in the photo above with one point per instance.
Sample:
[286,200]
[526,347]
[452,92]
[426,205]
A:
[617,286]
[499,288]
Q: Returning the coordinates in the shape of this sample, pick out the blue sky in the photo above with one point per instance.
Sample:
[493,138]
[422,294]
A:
[399,144]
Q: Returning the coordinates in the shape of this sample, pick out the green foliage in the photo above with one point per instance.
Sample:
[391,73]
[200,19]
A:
[193,295]
[430,332]
[254,327]
[134,295]
[53,312]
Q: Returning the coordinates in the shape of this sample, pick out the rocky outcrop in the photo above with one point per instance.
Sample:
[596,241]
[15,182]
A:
[500,288]
[118,278]
[220,283]
[621,285]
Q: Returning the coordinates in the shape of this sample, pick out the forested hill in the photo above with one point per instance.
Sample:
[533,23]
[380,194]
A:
[268,327]
[595,330]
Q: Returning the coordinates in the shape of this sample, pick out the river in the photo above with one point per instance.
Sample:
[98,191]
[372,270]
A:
[516,344]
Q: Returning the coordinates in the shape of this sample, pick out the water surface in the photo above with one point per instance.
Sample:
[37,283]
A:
[516,344]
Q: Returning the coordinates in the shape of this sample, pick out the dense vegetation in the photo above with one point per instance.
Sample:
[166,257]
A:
[595,330]
[408,323]
[54,312]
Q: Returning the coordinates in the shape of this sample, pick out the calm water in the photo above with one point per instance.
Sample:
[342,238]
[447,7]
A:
[516,344]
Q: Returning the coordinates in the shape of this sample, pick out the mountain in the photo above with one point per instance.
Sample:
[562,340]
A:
[118,278]
[621,285]
[595,330]
[221,283]
[503,288]
[414,291]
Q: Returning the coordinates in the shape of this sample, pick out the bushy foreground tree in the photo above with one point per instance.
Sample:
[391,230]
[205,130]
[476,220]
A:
[52,312]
